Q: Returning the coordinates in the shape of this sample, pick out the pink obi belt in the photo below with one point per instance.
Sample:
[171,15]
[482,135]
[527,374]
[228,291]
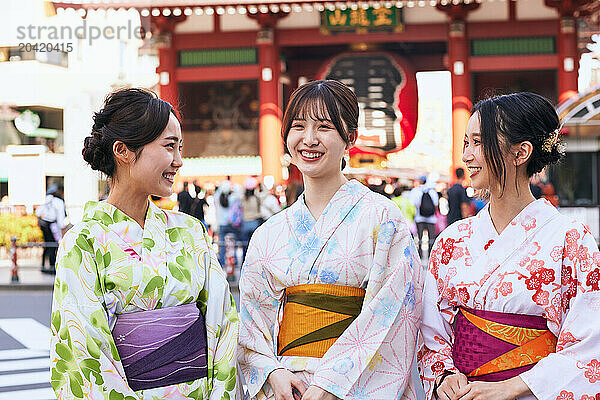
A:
[494,346]
[162,347]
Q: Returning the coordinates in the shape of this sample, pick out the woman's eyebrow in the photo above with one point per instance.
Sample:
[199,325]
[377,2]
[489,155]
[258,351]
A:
[175,138]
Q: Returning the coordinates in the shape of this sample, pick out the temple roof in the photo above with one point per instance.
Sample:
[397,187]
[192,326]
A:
[283,5]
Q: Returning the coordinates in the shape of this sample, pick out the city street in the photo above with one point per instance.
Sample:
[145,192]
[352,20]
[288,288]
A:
[24,338]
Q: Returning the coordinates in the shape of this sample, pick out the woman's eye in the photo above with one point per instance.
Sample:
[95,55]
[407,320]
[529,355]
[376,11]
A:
[297,126]
[476,141]
[171,145]
[325,127]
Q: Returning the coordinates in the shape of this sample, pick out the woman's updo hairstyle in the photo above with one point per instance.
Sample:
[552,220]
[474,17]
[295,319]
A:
[516,118]
[321,100]
[133,116]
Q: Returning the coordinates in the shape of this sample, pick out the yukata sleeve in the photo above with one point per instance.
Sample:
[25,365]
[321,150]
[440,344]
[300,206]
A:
[374,355]
[258,315]
[434,354]
[573,371]
[222,330]
[83,357]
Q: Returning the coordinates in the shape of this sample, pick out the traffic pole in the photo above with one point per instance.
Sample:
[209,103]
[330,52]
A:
[13,256]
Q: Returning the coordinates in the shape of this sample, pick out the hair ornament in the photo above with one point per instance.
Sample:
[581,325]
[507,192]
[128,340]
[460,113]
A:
[552,139]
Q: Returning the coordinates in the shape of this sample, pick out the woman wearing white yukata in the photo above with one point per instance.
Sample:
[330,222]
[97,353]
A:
[141,308]
[331,287]
[509,292]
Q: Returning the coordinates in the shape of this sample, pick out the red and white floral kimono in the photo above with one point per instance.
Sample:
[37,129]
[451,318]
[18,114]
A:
[542,265]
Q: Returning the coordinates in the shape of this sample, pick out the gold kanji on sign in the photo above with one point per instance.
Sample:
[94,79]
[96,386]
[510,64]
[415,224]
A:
[383,16]
[337,18]
[359,17]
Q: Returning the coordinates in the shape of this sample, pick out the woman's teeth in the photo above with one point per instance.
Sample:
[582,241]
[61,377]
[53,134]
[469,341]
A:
[311,154]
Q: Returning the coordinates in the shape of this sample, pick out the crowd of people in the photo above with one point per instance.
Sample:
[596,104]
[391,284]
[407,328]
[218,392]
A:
[230,209]
[334,300]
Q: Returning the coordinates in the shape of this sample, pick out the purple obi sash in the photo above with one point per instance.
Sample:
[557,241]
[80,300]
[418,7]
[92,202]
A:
[494,346]
[162,347]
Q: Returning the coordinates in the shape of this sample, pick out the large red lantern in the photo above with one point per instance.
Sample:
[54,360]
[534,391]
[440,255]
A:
[386,88]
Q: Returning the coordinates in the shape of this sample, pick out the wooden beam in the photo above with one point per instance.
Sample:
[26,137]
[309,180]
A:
[217,73]
[514,63]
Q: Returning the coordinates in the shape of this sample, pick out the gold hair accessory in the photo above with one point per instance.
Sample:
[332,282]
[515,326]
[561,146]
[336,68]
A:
[551,141]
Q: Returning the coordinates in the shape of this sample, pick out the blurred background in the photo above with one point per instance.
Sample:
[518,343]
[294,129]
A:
[230,66]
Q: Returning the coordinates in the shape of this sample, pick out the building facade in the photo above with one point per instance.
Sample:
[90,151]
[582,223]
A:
[231,64]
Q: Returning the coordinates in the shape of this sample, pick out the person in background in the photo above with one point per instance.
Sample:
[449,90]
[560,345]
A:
[426,201]
[198,203]
[251,213]
[51,220]
[184,198]
[459,204]
[269,205]
[225,199]
[402,200]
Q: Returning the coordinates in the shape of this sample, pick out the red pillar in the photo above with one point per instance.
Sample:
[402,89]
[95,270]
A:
[269,128]
[566,43]
[568,58]
[269,125]
[458,64]
[167,57]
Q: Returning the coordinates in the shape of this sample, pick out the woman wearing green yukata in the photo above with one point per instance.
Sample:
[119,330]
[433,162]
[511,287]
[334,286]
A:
[141,309]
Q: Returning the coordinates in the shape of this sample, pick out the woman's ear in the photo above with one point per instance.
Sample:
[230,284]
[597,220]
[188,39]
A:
[122,153]
[352,136]
[522,152]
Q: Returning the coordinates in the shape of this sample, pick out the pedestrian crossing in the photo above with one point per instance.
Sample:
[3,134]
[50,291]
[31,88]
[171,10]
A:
[25,372]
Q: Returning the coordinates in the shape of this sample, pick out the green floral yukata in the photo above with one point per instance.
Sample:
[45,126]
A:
[108,265]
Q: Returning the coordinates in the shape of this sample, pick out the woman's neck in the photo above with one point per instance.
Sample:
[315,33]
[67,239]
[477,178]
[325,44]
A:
[503,209]
[134,205]
[319,191]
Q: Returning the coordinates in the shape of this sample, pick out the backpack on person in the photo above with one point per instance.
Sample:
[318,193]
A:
[427,208]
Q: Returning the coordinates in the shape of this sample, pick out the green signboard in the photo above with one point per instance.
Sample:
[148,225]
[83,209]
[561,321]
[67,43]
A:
[513,46]
[361,20]
[212,57]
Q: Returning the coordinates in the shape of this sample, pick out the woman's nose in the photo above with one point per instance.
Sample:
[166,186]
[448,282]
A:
[467,155]
[310,137]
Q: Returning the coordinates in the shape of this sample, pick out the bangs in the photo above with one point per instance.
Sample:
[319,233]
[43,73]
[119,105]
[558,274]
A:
[312,105]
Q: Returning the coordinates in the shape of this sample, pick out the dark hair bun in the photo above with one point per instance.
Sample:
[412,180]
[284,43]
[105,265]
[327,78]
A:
[95,155]
[549,151]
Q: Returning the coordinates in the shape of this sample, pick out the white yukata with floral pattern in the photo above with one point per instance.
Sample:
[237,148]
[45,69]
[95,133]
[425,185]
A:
[542,264]
[108,265]
[360,240]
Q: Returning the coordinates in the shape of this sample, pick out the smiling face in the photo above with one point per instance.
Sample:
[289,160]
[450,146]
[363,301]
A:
[315,145]
[155,168]
[473,156]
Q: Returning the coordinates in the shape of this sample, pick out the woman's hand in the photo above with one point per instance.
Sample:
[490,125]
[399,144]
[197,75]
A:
[316,393]
[283,382]
[452,386]
[503,390]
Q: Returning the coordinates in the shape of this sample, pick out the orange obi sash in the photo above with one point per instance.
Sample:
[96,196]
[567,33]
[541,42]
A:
[494,346]
[314,316]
